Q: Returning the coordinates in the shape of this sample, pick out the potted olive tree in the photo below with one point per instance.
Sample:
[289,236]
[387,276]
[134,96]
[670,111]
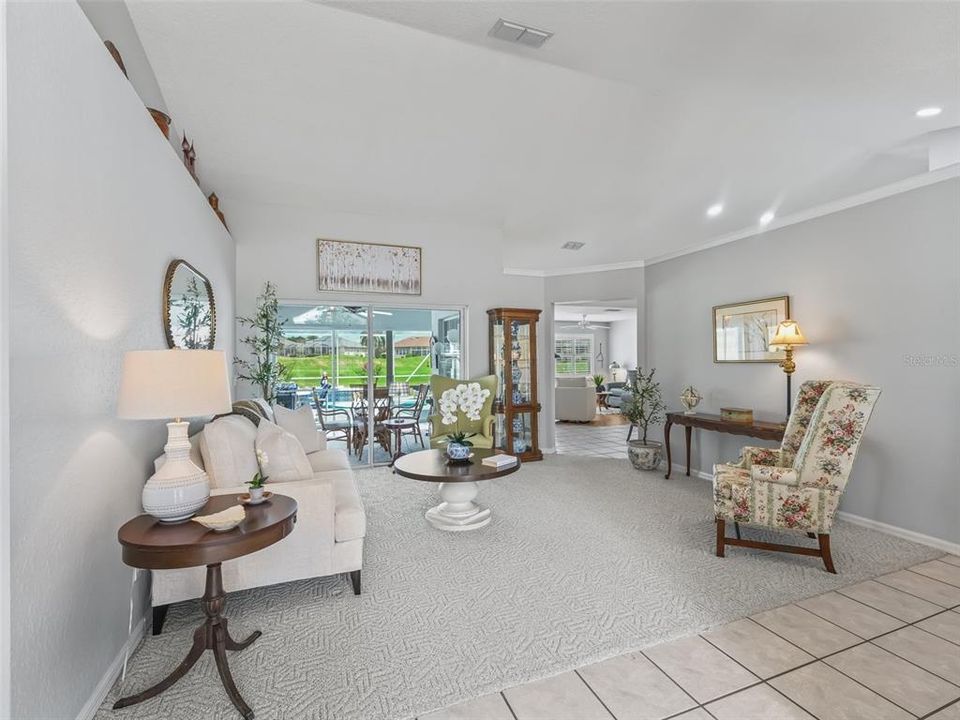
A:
[643,406]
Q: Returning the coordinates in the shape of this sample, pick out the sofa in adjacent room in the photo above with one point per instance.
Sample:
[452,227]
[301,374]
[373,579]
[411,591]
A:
[575,399]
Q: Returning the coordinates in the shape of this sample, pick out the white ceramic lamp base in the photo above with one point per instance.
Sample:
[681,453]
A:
[179,488]
[458,512]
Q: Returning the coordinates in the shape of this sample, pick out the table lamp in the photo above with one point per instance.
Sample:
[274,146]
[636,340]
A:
[164,384]
[787,337]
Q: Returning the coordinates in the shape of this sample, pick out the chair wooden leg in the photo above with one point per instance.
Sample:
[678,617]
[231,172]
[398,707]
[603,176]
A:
[159,615]
[721,536]
[355,581]
[824,540]
[736,529]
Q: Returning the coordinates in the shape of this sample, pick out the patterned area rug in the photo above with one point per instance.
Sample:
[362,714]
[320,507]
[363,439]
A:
[585,559]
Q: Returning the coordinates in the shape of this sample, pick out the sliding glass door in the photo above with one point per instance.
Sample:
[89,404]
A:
[358,366]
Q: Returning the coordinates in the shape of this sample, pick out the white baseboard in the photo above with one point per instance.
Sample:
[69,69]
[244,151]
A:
[945,545]
[95,700]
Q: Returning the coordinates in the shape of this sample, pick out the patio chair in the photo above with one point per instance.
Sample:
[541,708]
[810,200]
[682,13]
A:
[333,427]
[414,413]
[382,404]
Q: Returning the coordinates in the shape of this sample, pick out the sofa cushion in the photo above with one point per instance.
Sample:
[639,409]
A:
[300,424]
[350,521]
[281,455]
[327,460]
[227,448]
[574,382]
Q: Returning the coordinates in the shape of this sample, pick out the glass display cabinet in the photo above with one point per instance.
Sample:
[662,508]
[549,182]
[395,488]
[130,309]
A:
[513,359]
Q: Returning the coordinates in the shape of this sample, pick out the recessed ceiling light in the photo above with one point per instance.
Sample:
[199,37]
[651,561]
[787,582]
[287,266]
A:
[767,217]
[929,112]
[715,210]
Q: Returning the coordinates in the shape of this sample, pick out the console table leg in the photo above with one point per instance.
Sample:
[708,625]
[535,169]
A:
[199,645]
[220,655]
[666,442]
[687,432]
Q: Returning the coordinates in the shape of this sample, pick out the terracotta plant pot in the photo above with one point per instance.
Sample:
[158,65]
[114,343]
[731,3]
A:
[645,455]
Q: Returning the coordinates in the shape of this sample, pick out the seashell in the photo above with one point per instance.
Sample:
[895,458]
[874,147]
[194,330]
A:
[224,520]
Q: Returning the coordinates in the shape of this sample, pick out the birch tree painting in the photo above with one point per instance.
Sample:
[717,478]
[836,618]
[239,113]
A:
[367,267]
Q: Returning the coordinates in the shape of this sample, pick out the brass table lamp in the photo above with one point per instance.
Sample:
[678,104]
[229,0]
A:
[787,337]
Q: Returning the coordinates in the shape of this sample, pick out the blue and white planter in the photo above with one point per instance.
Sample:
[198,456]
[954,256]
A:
[458,452]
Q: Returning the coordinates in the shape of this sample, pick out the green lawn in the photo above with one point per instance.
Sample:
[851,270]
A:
[307,371]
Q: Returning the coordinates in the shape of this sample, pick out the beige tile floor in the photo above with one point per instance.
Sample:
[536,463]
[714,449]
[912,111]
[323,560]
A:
[885,649]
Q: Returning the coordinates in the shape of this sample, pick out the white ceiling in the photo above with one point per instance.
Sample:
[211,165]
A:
[619,132]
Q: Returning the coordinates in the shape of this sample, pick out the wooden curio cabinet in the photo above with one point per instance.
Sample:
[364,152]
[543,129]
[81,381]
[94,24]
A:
[513,359]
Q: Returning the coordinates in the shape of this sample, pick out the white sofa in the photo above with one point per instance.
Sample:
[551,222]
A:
[575,399]
[328,536]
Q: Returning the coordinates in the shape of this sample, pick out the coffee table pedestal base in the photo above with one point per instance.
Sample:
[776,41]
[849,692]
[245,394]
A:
[458,512]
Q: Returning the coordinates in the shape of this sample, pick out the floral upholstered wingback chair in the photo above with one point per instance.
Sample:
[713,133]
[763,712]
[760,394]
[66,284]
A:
[806,402]
[801,496]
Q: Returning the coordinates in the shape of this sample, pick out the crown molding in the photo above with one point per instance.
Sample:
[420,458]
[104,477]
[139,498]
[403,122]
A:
[901,186]
[583,270]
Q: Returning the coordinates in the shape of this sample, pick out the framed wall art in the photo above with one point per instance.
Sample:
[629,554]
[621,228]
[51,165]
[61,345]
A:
[359,267]
[742,331]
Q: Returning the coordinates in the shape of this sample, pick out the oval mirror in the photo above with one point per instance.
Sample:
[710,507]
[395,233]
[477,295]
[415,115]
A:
[189,314]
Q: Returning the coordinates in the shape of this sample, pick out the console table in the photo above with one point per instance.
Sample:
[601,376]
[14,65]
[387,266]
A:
[704,421]
[153,545]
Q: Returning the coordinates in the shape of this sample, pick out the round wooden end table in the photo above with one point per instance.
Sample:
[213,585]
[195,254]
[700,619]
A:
[458,486]
[397,426]
[152,545]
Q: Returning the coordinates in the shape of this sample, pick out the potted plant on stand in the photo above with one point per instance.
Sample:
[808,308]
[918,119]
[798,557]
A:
[598,380]
[644,406]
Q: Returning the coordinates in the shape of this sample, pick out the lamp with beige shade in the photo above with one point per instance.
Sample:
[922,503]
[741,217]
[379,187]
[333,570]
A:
[787,337]
[164,384]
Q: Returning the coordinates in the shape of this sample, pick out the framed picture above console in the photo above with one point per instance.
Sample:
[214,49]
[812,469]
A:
[367,267]
[742,331]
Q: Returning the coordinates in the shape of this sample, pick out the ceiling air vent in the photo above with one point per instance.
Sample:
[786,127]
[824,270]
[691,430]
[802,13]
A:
[572,245]
[517,33]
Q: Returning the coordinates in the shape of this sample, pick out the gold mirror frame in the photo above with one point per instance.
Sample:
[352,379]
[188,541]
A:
[168,284]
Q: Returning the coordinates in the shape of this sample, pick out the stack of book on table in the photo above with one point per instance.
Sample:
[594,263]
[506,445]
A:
[499,461]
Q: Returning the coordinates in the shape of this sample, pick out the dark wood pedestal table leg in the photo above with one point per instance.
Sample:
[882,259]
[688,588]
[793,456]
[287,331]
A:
[212,635]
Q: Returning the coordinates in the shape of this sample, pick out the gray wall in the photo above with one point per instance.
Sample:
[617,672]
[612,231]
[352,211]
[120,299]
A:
[876,290]
[99,205]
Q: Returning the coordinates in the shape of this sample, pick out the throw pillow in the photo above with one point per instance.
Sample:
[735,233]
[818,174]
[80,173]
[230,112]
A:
[301,425]
[282,458]
[226,445]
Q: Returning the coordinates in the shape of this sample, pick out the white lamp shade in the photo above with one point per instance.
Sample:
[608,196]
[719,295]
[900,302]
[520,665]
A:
[164,384]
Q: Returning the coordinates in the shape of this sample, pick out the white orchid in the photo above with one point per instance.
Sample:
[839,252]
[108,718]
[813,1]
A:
[262,458]
[466,398]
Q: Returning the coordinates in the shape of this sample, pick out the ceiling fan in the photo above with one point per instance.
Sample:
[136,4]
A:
[582,324]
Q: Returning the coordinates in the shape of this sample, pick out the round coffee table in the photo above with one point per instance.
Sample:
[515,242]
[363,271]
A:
[458,486]
[398,425]
[153,545]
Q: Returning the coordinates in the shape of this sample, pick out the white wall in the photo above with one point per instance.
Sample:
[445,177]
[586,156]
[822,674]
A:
[876,289]
[461,264]
[5,690]
[623,343]
[99,204]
